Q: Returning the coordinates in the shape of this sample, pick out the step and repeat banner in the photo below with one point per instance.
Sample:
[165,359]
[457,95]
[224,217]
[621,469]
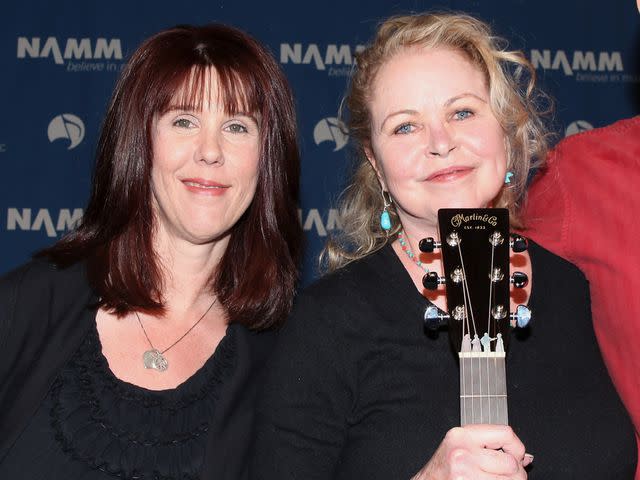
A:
[60,60]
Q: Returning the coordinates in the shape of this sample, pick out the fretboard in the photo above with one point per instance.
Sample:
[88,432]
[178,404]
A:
[483,388]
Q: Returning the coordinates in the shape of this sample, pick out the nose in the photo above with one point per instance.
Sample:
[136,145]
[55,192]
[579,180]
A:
[209,150]
[440,142]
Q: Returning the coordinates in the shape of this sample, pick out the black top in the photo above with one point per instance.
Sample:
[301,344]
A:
[66,415]
[356,389]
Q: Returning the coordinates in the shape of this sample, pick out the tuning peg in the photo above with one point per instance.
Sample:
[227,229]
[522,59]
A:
[522,317]
[518,243]
[431,281]
[499,312]
[433,319]
[428,245]
[519,279]
[496,239]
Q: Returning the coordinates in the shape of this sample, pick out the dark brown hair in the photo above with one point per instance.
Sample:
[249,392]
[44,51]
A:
[255,279]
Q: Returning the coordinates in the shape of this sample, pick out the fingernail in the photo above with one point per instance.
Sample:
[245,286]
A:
[528,459]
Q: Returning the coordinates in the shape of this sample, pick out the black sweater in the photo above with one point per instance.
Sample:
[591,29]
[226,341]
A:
[46,318]
[357,390]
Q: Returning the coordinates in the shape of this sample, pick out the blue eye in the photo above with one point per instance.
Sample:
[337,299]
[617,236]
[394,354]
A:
[404,129]
[463,114]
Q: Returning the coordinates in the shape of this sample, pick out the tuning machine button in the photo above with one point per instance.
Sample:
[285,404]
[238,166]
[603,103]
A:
[519,279]
[453,239]
[496,239]
[499,312]
[431,281]
[459,313]
[428,245]
[457,275]
[433,319]
[522,317]
[518,243]
[496,275]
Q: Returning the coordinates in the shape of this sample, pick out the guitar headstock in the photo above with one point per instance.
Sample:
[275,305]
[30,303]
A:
[475,255]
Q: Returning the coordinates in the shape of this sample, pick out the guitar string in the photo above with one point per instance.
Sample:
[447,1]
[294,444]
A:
[490,288]
[491,285]
[496,400]
[466,361]
[463,361]
[469,312]
[496,397]
[466,289]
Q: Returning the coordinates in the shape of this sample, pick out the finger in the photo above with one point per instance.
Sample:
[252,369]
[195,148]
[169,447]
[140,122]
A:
[495,437]
[479,475]
[528,460]
[496,462]
[521,475]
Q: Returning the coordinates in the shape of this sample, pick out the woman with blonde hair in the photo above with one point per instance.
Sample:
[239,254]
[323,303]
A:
[443,116]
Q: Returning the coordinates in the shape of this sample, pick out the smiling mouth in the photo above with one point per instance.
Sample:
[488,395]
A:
[206,187]
[449,174]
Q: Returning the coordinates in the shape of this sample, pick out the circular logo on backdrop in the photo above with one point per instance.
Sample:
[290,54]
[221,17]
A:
[577,127]
[66,126]
[331,129]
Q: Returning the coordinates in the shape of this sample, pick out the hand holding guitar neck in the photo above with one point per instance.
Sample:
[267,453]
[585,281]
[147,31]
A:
[477,452]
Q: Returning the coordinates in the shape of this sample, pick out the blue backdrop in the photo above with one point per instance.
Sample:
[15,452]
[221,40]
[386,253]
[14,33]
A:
[60,61]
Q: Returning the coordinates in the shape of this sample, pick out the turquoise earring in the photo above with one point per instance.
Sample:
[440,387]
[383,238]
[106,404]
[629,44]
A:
[507,177]
[385,218]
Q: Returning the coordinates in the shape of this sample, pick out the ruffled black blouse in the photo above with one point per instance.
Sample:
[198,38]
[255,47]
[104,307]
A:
[63,415]
[92,425]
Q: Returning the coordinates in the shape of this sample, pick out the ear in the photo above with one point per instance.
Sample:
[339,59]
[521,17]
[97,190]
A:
[368,151]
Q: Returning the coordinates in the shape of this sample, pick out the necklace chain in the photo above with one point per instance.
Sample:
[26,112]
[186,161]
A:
[407,249]
[178,340]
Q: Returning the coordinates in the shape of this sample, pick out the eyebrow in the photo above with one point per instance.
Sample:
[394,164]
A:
[461,96]
[399,112]
[189,108]
[448,103]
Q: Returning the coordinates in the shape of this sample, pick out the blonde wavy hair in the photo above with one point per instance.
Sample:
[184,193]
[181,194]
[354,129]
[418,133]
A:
[516,103]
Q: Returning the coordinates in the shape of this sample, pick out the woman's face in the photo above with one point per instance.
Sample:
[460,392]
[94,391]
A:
[205,169]
[435,142]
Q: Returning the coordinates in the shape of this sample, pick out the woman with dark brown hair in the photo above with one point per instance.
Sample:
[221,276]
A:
[132,347]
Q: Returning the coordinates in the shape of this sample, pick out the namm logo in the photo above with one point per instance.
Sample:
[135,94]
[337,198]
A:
[338,58]
[51,221]
[332,130]
[585,66]
[578,126]
[66,126]
[321,221]
[79,54]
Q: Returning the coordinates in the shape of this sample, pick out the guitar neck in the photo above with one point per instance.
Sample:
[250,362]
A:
[475,257]
[483,388]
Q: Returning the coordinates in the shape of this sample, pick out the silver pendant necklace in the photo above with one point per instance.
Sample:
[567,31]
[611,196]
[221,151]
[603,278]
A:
[155,358]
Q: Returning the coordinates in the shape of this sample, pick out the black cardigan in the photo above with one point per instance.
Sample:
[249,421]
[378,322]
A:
[42,324]
[357,390]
